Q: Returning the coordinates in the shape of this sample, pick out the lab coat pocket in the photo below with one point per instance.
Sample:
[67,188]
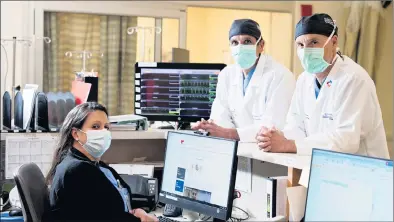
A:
[328,121]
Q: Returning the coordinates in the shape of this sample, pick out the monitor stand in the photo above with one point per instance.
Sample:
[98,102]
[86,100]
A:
[184,125]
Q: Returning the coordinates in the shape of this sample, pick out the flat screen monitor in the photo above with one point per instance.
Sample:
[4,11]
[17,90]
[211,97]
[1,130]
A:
[346,187]
[182,92]
[199,174]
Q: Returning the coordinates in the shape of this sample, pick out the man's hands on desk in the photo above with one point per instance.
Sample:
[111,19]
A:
[216,130]
[273,140]
[268,140]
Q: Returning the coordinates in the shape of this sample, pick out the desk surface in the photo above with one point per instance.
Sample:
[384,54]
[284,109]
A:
[193,216]
[252,151]
[116,134]
[249,150]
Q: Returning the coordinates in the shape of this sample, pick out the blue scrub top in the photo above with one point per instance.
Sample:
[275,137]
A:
[318,86]
[247,79]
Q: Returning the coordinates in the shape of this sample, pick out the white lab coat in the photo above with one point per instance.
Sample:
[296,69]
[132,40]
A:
[266,101]
[346,116]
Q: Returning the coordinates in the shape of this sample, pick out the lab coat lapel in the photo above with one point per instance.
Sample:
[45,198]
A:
[255,82]
[323,95]
[238,85]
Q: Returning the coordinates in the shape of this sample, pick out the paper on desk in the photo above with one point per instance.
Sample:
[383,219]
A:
[26,149]
[304,179]
[297,197]
[244,175]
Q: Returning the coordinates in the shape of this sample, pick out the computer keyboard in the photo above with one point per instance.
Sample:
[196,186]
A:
[166,219]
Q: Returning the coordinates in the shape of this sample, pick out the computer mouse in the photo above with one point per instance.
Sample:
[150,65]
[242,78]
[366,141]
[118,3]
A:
[16,212]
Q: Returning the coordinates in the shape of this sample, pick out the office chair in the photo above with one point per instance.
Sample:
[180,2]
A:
[33,192]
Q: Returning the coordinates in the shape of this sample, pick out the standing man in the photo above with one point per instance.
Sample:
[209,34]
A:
[334,106]
[254,92]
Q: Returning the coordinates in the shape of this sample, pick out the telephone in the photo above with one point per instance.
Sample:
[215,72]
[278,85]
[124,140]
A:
[144,191]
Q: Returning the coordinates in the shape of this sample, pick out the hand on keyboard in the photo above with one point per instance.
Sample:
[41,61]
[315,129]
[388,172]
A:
[143,216]
[165,219]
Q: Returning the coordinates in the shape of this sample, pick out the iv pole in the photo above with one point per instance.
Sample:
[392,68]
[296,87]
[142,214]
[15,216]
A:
[14,41]
[85,55]
[136,29]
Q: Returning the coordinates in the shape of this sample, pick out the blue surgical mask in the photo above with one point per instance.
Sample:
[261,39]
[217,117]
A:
[97,142]
[245,55]
[312,59]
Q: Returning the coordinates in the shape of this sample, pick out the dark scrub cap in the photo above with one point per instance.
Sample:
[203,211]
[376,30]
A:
[315,24]
[245,27]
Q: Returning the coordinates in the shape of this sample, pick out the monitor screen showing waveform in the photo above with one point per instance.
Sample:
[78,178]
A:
[179,92]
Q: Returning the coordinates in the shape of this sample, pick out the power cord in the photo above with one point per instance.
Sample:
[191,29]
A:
[237,195]
[241,219]
[6,72]
[6,195]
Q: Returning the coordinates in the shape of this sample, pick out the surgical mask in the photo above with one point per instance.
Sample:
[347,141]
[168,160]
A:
[312,59]
[97,142]
[244,55]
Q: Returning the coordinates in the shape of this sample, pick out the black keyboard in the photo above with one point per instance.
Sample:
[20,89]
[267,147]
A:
[166,219]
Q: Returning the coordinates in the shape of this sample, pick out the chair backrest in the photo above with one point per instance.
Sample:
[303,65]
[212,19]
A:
[33,192]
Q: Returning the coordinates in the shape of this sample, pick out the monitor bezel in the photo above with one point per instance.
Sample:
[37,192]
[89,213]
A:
[331,151]
[163,65]
[198,205]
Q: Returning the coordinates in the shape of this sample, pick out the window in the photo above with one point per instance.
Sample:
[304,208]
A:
[106,35]
[170,38]
[207,33]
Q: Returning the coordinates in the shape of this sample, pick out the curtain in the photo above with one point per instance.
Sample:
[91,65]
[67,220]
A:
[100,34]
[361,31]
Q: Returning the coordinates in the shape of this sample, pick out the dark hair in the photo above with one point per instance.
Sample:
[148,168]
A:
[74,119]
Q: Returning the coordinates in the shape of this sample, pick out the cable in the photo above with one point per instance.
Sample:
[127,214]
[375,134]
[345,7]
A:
[4,193]
[241,219]
[237,195]
[6,72]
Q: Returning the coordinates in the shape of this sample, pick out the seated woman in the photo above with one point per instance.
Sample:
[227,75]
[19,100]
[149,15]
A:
[82,187]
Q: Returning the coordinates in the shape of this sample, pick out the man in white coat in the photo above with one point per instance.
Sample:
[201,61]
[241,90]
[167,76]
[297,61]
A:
[254,92]
[334,106]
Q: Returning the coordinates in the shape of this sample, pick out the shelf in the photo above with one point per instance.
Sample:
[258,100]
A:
[252,151]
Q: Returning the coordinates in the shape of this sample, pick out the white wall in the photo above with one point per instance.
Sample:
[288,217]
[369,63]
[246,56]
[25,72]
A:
[13,24]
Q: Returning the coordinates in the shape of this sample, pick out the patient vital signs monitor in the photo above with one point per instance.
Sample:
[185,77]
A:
[199,174]
[346,187]
[181,92]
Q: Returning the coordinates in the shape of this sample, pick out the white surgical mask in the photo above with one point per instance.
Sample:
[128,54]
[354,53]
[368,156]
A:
[97,142]
[312,59]
[245,55]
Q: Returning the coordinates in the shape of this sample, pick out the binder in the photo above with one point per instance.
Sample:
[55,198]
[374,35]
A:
[7,113]
[52,115]
[60,109]
[70,101]
[41,112]
[18,110]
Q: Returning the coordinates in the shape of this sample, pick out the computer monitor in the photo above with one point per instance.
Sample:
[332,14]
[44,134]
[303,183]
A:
[346,187]
[182,92]
[199,174]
